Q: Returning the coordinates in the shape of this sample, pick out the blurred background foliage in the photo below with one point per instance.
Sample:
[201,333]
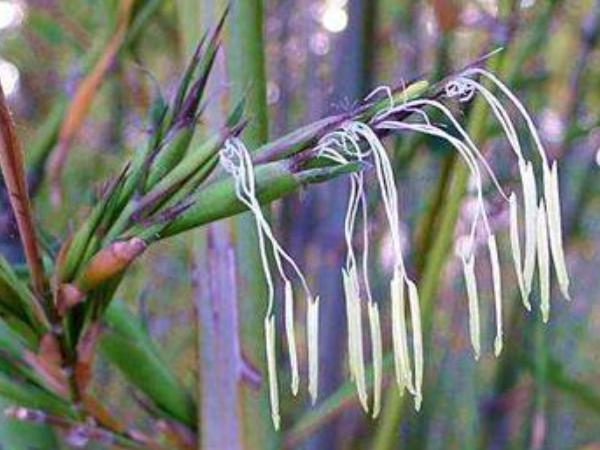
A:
[321,57]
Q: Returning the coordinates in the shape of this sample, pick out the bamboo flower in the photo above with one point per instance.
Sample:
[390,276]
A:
[357,138]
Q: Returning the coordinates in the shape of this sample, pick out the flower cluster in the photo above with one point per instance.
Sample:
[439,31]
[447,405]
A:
[360,140]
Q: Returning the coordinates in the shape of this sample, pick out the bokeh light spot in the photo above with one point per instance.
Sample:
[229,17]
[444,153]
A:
[11,14]
[334,18]
[9,77]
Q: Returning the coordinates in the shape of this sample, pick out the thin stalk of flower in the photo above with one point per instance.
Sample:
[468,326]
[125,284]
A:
[475,71]
[473,152]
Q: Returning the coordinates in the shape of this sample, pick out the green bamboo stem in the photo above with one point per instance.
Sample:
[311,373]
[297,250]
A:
[246,63]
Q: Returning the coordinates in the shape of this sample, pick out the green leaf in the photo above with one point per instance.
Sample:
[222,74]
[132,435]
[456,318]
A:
[22,393]
[17,301]
[16,435]
[127,345]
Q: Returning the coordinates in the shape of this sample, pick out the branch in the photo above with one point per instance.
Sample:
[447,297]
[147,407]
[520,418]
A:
[13,172]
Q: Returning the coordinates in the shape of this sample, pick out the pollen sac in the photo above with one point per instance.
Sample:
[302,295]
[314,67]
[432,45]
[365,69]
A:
[497,283]
[471,283]
[377,351]
[355,335]
[272,369]
[399,334]
[530,196]
[553,211]
[291,338]
[543,261]
[415,317]
[516,250]
[109,262]
[312,326]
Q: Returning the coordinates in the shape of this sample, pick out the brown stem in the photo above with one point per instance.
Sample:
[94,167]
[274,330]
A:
[13,171]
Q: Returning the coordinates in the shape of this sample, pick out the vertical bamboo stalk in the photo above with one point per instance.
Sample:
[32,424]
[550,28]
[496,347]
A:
[216,298]
[246,67]
[220,357]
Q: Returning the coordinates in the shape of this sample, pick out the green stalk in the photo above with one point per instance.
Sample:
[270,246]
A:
[219,200]
[246,62]
[540,374]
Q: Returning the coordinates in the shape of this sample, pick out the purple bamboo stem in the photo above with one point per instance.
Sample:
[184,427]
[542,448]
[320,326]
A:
[221,364]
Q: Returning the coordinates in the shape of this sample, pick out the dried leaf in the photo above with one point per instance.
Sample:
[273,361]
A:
[86,352]
[447,14]
[109,262]
[84,96]
[180,437]
[102,415]
[13,173]
[67,296]
[47,366]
